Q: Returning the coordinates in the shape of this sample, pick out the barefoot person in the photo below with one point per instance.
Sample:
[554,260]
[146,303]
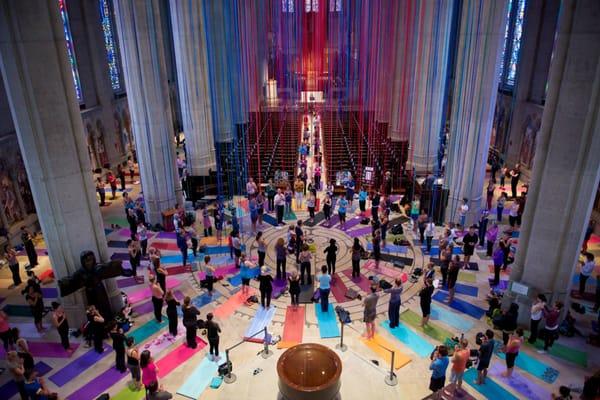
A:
[512,351]
[486,349]
[438,367]
[59,320]
[459,364]
[212,333]
[133,363]
[425,301]
[370,312]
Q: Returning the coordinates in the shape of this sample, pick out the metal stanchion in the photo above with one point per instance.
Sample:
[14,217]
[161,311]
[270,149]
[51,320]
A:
[341,346]
[391,379]
[229,376]
[266,353]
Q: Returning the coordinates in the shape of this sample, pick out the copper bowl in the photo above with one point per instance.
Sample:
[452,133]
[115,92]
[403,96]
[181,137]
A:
[309,371]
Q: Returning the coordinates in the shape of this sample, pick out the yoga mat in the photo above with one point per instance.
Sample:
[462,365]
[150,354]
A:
[145,293]
[142,308]
[161,342]
[328,327]
[39,252]
[533,366]
[361,232]
[412,340]
[205,298]
[350,223]
[47,349]
[179,269]
[10,388]
[119,244]
[319,217]
[124,232]
[199,379]
[165,246]
[591,281]
[99,385]
[450,318]
[178,258]
[460,305]
[279,286]
[467,290]
[107,231]
[148,329]
[467,277]
[221,271]
[232,304]
[166,235]
[262,319]
[46,274]
[78,366]
[27,330]
[502,273]
[293,327]
[219,249]
[383,348]
[209,241]
[117,221]
[390,248]
[177,357]
[335,219]
[130,281]
[339,289]
[385,270]
[491,390]
[291,216]
[236,280]
[120,256]
[306,293]
[50,292]
[391,258]
[519,383]
[362,282]
[220,260]
[502,285]
[269,219]
[564,352]
[17,310]
[437,333]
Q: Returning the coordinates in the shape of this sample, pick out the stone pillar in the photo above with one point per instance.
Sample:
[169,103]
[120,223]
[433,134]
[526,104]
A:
[142,49]
[475,88]
[566,169]
[192,77]
[45,110]
[430,77]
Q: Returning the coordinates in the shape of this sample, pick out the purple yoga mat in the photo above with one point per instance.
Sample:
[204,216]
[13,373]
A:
[359,232]
[147,307]
[98,385]
[519,383]
[503,285]
[362,282]
[350,223]
[78,366]
[50,292]
[47,349]
[166,235]
[10,388]
[279,286]
[334,220]
[120,256]
[128,282]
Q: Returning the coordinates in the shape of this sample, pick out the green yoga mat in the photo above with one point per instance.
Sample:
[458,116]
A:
[129,394]
[117,221]
[467,277]
[563,352]
[490,390]
[290,216]
[17,310]
[431,330]
[148,329]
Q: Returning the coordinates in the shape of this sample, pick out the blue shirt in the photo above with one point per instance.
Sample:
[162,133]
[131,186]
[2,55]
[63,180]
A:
[245,271]
[362,195]
[325,281]
[439,367]
[342,205]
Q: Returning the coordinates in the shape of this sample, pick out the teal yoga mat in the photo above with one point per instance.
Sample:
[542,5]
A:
[450,318]
[490,390]
[328,326]
[148,329]
[17,310]
[533,366]
[460,305]
[236,280]
[199,379]
[411,339]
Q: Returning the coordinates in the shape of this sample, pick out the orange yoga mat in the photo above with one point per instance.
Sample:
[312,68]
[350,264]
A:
[293,327]
[382,347]
[233,303]
[211,241]
[177,357]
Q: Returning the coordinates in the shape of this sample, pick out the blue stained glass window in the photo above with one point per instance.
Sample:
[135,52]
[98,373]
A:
[287,6]
[110,45]
[70,48]
[505,41]
[513,35]
[335,5]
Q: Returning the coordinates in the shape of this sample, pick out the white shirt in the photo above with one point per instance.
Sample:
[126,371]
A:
[536,311]
[588,268]
[250,188]
[279,199]
[514,210]
[430,229]
[463,210]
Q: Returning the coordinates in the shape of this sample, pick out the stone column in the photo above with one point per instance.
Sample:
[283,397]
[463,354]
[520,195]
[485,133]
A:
[430,77]
[44,107]
[142,49]
[192,75]
[474,97]
[566,168]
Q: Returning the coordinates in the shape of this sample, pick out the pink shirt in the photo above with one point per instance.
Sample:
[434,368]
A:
[4,324]
[149,374]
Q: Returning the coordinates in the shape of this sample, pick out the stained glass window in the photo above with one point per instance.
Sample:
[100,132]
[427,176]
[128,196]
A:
[513,35]
[335,5]
[311,5]
[70,48]
[287,6]
[110,45]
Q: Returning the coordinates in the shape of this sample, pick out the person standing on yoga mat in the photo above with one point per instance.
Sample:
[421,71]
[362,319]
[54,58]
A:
[429,233]
[438,366]
[429,272]
[13,264]
[453,276]
[298,190]
[357,251]
[118,344]
[135,255]
[490,236]
[36,303]
[586,271]
[190,321]
[395,302]
[279,202]
[245,273]
[294,282]
[445,259]
[512,351]
[172,304]
[342,204]
[375,200]
[362,199]
[59,320]
[459,364]
[271,191]
[133,363]
[265,287]
[425,301]
[370,312]
[486,350]
[383,226]
[422,224]
[27,240]
[469,242]
[331,255]
[324,288]
[551,316]
[236,244]
[261,248]
[280,257]
[515,175]
[507,321]
[212,333]
[327,207]
[96,327]
[536,314]
[157,298]
[310,204]
[376,242]
[305,258]
[15,366]
[160,273]
[149,369]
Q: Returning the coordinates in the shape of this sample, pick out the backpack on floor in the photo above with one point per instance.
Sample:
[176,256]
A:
[397,229]
[365,221]
[385,284]
[225,368]
[352,294]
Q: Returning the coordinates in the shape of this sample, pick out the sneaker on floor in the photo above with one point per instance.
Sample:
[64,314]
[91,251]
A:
[541,351]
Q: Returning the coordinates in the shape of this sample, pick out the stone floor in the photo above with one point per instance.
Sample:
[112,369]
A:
[413,378]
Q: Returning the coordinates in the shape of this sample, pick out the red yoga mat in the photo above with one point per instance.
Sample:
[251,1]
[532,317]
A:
[177,357]
[339,289]
[233,303]
[293,327]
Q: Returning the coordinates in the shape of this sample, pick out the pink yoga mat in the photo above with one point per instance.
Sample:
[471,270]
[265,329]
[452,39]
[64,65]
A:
[179,269]
[145,293]
[177,357]
[47,349]
[385,270]
[164,340]
[339,289]
[362,282]
[165,245]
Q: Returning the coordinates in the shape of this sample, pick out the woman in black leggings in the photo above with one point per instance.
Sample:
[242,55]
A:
[331,252]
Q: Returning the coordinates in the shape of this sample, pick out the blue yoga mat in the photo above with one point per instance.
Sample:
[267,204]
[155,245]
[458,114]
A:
[269,219]
[205,298]
[178,259]
[390,248]
[219,249]
[236,280]
[148,329]
[10,388]
[261,320]
[411,339]
[435,251]
[468,290]
[490,390]
[533,366]
[199,379]
[450,318]
[220,260]
[50,292]
[460,305]
[590,282]
[328,326]
[78,366]
[119,244]
[107,231]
